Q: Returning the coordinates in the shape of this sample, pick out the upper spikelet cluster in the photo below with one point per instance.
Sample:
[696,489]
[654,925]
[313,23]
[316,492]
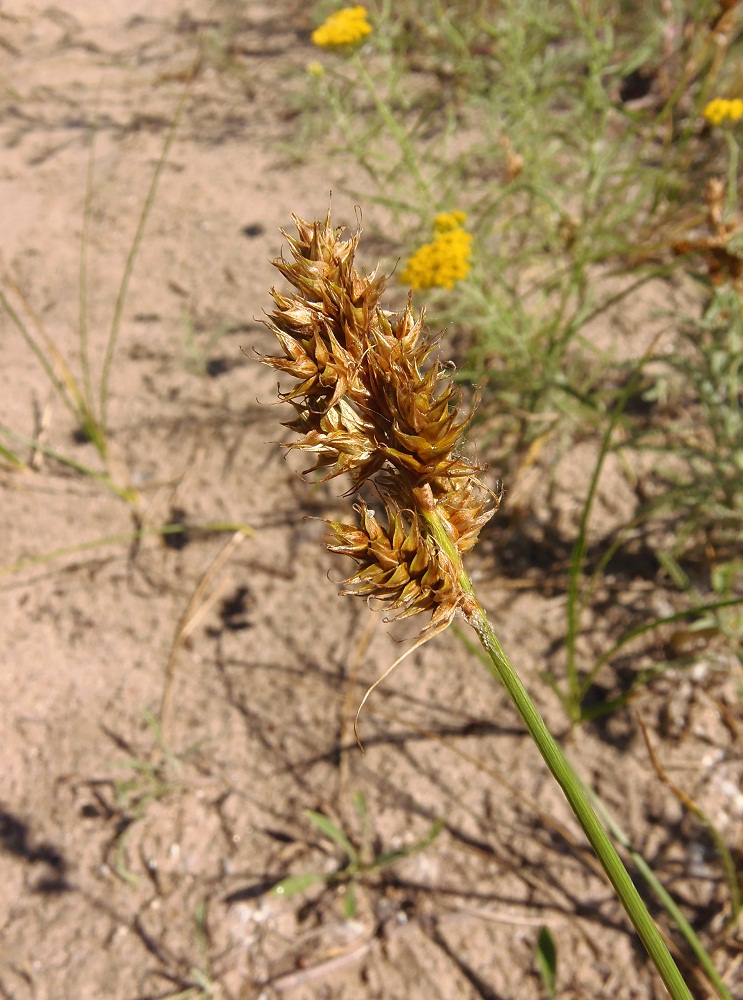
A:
[370,401]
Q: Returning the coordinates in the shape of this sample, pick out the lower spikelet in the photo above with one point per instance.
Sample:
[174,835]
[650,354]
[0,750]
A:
[399,565]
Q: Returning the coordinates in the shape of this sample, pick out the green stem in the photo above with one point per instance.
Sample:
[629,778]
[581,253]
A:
[576,601]
[409,155]
[113,333]
[732,198]
[664,897]
[502,669]
[83,277]
[561,770]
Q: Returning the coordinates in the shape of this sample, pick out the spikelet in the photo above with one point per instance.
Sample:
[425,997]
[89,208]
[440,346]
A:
[398,565]
[371,402]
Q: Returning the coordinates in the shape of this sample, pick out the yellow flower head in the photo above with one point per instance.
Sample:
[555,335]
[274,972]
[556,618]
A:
[720,110]
[345,29]
[315,69]
[446,221]
[445,261]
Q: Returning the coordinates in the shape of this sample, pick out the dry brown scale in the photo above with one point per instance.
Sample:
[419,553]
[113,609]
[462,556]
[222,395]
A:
[370,402]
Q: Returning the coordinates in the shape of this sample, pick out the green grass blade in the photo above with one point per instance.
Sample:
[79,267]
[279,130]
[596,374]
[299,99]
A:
[83,276]
[293,885]
[124,538]
[334,833]
[129,265]
[61,387]
[580,547]
[697,609]
[547,961]
[11,458]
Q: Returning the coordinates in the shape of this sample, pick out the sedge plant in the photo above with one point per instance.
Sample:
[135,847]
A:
[373,403]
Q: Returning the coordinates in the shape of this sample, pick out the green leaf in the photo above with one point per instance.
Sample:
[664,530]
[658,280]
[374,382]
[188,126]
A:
[333,833]
[11,457]
[547,960]
[350,906]
[428,838]
[405,852]
[292,885]
[359,804]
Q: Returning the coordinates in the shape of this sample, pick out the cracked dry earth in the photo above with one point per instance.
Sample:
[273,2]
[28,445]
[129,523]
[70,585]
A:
[135,857]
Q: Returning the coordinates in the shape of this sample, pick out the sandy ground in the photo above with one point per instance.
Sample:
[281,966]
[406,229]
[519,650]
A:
[135,859]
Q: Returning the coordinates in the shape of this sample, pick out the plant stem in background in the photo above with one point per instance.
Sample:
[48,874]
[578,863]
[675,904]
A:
[149,201]
[87,388]
[667,901]
[573,698]
[78,394]
[398,133]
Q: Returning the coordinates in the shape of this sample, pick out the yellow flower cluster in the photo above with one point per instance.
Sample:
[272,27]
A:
[445,261]
[342,30]
[720,110]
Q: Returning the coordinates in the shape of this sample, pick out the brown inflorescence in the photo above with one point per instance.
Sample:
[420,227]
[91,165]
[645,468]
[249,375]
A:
[372,403]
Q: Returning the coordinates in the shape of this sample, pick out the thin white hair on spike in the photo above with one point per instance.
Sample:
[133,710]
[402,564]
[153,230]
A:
[426,634]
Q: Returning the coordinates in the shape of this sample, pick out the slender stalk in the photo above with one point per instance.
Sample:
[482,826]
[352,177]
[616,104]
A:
[409,154]
[149,201]
[365,406]
[574,604]
[576,601]
[663,895]
[83,277]
[503,670]
[561,770]
[61,386]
